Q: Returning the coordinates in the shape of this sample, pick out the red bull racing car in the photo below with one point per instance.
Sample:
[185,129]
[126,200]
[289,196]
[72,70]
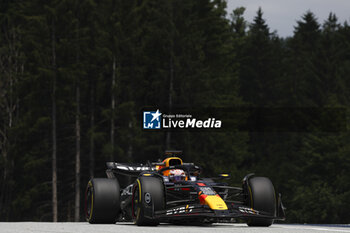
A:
[174,192]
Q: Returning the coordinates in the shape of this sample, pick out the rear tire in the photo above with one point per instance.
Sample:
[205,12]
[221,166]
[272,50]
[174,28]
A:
[261,197]
[102,200]
[147,191]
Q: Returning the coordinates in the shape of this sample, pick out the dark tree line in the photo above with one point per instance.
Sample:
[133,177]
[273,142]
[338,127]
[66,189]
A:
[74,75]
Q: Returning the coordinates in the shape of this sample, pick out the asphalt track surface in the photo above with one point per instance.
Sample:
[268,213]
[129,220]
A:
[40,227]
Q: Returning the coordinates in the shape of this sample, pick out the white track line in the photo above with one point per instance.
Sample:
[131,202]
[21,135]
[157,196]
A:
[315,228]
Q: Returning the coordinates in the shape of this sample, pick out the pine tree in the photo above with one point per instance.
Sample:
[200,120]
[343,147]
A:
[304,74]
[259,64]
[11,69]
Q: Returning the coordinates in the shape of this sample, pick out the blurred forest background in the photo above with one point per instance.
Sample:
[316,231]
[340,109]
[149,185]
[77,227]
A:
[75,74]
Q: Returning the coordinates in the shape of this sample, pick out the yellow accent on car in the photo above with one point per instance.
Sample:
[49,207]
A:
[139,209]
[147,174]
[224,174]
[251,197]
[215,203]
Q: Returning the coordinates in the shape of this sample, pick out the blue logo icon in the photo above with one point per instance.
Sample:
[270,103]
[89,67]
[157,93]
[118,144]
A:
[151,120]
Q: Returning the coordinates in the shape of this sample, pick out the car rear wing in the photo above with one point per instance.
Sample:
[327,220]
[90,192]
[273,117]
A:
[127,169]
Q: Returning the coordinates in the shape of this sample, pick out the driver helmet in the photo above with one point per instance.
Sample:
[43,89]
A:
[177,175]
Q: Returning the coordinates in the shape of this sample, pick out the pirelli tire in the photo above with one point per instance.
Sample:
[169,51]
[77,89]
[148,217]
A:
[147,197]
[102,201]
[261,197]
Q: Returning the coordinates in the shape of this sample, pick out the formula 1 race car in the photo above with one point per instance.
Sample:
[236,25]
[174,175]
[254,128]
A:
[173,192]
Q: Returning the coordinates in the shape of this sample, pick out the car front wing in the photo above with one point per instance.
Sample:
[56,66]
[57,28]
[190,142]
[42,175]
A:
[203,211]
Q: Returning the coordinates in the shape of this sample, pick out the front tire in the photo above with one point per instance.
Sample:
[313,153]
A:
[102,201]
[261,197]
[148,197]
